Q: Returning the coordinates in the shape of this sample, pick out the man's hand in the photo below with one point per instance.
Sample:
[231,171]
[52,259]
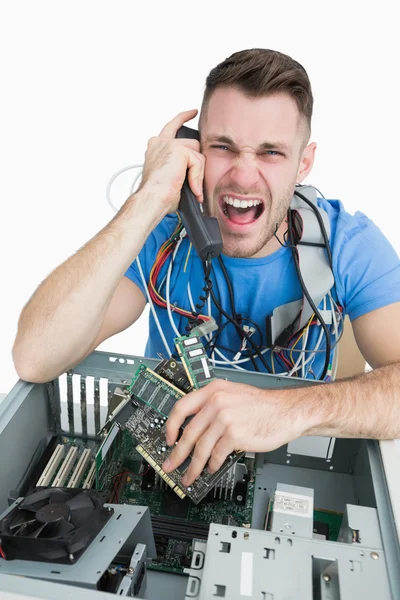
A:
[231,416]
[166,162]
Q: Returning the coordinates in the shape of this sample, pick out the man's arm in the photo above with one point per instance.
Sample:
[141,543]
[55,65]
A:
[368,405]
[231,416]
[87,299]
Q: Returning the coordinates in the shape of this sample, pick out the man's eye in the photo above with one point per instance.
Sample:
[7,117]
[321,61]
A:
[273,152]
[220,147]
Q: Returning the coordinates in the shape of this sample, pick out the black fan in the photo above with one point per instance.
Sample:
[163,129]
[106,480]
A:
[53,524]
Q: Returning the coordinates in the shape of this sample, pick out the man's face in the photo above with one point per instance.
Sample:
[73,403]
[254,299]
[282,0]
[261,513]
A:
[254,156]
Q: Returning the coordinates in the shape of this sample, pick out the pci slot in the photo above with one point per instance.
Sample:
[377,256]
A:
[80,468]
[88,483]
[52,466]
[66,467]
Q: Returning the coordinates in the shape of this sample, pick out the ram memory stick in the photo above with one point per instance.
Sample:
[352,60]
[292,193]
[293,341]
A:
[154,391]
[195,360]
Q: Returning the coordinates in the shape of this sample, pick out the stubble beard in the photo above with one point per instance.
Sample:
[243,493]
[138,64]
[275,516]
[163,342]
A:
[235,244]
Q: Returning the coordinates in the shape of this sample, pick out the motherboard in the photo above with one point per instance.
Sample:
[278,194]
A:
[149,400]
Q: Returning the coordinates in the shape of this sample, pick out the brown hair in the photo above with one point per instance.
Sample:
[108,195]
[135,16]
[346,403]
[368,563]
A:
[260,72]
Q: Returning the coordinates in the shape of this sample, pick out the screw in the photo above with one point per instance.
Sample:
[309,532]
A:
[239,498]
[131,570]
[71,557]
[326,578]
[375,555]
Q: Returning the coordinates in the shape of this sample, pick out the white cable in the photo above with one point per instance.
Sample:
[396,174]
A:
[335,359]
[303,354]
[336,363]
[160,331]
[300,358]
[336,312]
[311,357]
[171,318]
[114,177]
[225,360]
[135,180]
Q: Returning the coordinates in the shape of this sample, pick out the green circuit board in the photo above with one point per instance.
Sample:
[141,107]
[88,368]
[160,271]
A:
[131,480]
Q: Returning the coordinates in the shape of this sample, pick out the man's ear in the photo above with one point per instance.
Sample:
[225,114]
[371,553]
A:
[306,162]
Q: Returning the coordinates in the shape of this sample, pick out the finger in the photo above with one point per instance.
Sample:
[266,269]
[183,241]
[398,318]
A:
[203,451]
[171,128]
[188,405]
[192,432]
[196,175]
[221,450]
[189,143]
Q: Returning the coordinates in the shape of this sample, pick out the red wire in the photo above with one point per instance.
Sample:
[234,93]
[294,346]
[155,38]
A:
[160,262]
[2,553]
[287,363]
[123,473]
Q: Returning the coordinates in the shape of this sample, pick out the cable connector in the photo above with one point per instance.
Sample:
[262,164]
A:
[327,317]
[205,328]
[283,338]
[249,331]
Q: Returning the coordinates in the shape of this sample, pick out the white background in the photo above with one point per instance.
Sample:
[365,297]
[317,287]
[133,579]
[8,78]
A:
[84,84]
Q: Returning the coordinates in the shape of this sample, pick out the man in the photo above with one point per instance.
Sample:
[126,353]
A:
[255,129]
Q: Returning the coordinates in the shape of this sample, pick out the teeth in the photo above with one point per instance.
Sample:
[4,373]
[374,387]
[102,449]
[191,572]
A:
[240,203]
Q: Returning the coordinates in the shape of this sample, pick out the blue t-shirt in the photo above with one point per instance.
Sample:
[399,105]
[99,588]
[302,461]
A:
[366,270]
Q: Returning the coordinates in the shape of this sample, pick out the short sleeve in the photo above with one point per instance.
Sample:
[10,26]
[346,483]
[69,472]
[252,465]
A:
[367,266]
[148,254]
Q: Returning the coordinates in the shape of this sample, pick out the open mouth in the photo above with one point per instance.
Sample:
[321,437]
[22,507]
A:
[241,212]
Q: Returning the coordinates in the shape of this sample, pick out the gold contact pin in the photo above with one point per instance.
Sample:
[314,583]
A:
[165,382]
[159,470]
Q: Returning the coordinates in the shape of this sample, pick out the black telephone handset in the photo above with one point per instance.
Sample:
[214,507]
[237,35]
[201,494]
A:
[203,232]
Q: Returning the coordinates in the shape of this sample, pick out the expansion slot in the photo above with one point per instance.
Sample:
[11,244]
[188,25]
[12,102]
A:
[88,483]
[80,468]
[66,467]
[161,473]
[178,528]
[52,466]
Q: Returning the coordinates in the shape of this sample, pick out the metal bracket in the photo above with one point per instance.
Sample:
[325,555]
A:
[136,575]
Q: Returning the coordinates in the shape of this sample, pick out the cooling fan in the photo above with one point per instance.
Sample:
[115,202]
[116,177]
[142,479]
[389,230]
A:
[53,524]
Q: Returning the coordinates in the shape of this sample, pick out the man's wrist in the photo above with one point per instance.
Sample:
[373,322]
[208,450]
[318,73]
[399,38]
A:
[321,408]
[309,409]
[144,210]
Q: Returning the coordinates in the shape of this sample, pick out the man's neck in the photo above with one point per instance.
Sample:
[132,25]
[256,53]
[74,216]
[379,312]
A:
[274,244]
